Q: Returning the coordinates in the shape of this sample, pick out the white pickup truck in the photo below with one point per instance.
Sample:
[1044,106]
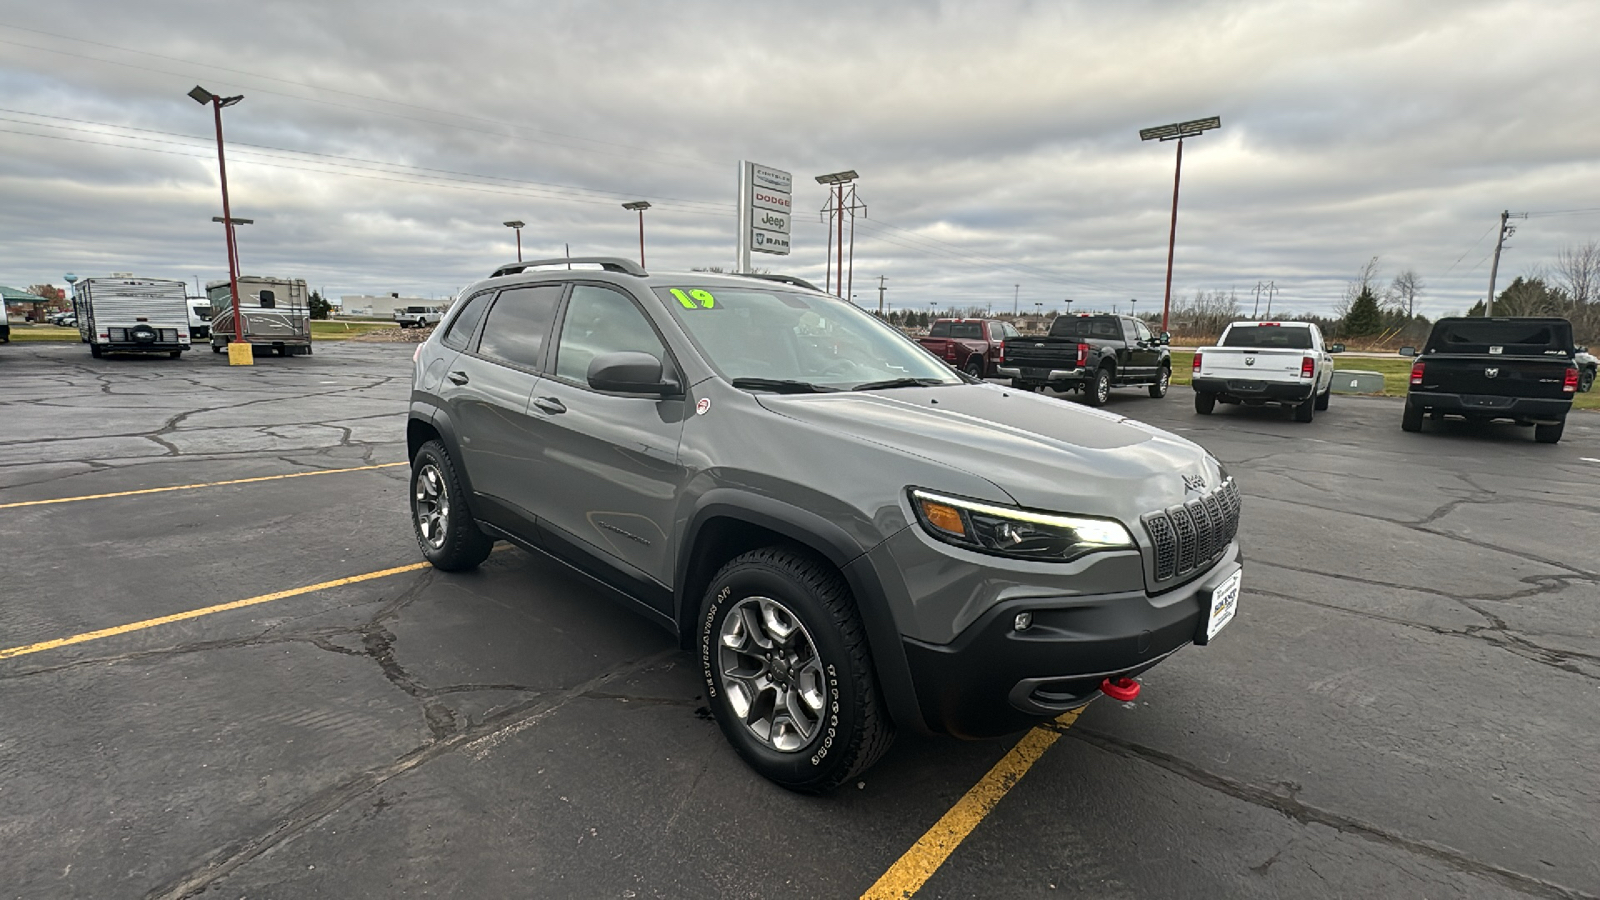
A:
[1255,363]
[418,317]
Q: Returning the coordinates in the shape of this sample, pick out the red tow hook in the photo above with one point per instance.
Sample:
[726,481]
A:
[1123,689]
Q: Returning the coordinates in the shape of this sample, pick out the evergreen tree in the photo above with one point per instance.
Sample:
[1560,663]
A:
[320,308]
[1365,317]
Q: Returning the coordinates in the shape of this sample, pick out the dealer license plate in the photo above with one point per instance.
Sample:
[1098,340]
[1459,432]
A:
[1224,603]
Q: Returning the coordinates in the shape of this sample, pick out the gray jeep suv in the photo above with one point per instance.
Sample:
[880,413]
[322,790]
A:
[849,535]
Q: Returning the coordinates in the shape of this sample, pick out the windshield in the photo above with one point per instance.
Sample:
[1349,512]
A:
[779,335]
[1268,336]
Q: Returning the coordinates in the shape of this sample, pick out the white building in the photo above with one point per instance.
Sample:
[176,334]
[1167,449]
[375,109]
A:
[384,307]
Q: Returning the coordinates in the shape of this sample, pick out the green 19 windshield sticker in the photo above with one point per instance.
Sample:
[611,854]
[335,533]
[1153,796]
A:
[695,299]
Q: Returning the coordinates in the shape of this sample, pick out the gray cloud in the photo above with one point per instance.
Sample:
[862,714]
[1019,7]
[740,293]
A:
[997,142]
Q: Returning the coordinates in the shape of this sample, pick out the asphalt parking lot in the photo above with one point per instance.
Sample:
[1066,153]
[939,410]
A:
[1407,705]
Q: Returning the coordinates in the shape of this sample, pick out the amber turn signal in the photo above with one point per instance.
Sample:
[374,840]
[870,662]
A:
[944,518]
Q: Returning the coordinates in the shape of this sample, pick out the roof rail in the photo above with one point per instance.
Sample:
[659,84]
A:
[608,263]
[781,279]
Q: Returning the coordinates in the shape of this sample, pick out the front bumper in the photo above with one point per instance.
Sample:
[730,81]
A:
[1488,406]
[1266,391]
[994,680]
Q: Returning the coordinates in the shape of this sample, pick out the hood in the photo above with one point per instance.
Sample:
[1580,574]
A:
[1045,454]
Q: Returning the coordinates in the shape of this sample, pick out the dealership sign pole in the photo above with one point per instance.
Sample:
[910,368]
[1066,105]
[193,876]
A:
[765,206]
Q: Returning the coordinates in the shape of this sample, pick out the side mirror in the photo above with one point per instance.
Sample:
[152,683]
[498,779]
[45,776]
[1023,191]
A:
[1335,348]
[1408,351]
[629,372]
[1165,339]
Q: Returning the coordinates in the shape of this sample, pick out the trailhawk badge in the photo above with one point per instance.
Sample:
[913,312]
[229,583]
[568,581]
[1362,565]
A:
[1194,483]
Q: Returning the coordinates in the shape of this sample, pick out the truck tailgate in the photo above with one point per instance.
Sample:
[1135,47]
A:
[1252,364]
[1493,376]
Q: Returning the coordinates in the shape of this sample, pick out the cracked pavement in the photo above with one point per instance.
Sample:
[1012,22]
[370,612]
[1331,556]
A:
[1406,704]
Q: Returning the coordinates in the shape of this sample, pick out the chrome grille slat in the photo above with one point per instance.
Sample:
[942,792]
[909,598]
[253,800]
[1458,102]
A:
[1192,535]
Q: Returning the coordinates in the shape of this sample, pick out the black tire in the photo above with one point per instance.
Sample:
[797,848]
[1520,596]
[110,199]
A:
[306,350]
[1204,403]
[175,353]
[1323,398]
[1586,380]
[215,349]
[95,351]
[451,541]
[851,727]
[1306,410]
[975,369]
[1163,381]
[1411,419]
[1098,391]
[1549,434]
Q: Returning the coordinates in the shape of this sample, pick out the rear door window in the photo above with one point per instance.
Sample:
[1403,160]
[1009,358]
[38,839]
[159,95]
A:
[518,327]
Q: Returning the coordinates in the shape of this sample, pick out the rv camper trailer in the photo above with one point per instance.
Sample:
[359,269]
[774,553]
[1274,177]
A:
[276,314]
[122,314]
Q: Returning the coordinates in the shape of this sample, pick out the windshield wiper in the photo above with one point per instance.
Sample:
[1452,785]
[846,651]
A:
[782,385]
[899,383]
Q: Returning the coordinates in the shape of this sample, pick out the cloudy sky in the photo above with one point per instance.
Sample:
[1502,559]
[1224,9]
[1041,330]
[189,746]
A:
[380,145]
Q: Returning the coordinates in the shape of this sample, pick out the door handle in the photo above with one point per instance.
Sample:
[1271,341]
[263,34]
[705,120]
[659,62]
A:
[458,377]
[550,405]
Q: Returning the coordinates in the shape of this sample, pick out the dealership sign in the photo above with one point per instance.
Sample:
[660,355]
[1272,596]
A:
[766,207]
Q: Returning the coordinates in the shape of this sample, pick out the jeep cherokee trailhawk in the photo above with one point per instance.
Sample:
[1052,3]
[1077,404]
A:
[851,537]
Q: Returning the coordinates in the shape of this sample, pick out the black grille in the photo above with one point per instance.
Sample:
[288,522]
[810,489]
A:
[1191,536]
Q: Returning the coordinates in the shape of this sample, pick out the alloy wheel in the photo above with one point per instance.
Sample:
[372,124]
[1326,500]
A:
[772,673]
[432,506]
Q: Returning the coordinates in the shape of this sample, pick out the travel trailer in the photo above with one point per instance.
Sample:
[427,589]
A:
[122,314]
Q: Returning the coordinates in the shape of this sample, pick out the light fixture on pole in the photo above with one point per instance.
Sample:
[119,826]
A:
[203,97]
[1177,132]
[518,226]
[1133,307]
[641,206]
[836,182]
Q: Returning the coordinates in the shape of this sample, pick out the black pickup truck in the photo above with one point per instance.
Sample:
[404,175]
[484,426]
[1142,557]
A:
[1521,369]
[1089,353]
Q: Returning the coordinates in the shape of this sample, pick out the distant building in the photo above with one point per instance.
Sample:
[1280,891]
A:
[384,307]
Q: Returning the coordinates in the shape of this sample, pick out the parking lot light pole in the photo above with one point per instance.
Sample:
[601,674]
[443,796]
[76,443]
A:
[836,182]
[202,96]
[1178,132]
[641,206]
[518,226]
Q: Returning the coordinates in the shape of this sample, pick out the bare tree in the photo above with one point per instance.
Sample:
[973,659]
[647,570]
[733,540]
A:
[1404,290]
[1366,280]
[1578,272]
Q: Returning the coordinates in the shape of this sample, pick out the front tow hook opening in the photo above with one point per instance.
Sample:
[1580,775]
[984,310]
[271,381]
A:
[1123,689]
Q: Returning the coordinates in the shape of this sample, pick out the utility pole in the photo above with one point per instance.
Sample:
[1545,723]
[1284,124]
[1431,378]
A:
[1272,288]
[1494,269]
[1255,311]
[1016,292]
[881,289]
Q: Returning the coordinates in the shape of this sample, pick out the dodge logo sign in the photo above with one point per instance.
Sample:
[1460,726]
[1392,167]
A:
[1491,373]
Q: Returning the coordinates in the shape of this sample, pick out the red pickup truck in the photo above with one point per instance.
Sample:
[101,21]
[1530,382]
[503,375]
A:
[972,345]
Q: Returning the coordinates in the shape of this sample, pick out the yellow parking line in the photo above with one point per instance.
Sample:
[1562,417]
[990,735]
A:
[191,487]
[205,611]
[912,870]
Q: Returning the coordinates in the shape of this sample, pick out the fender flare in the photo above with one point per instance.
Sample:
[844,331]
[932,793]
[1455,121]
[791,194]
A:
[839,548]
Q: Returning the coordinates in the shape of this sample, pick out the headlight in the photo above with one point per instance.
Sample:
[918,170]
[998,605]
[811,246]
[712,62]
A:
[1017,533]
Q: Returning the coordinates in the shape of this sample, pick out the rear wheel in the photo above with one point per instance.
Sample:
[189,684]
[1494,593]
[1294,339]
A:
[1586,380]
[95,351]
[1204,403]
[445,531]
[975,368]
[1323,398]
[787,670]
[1549,434]
[1306,410]
[1100,389]
[1163,380]
[1411,419]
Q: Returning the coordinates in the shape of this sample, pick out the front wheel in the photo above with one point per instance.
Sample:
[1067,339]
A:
[787,671]
[1549,434]
[1586,380]
[1099,389]
[445,531]
[1163,380]
[1204,403]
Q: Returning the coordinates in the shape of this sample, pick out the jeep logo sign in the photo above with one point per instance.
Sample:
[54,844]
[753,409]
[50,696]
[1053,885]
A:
[765,204]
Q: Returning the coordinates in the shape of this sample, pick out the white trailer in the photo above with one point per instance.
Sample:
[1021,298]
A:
[132,315]
[276,313]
